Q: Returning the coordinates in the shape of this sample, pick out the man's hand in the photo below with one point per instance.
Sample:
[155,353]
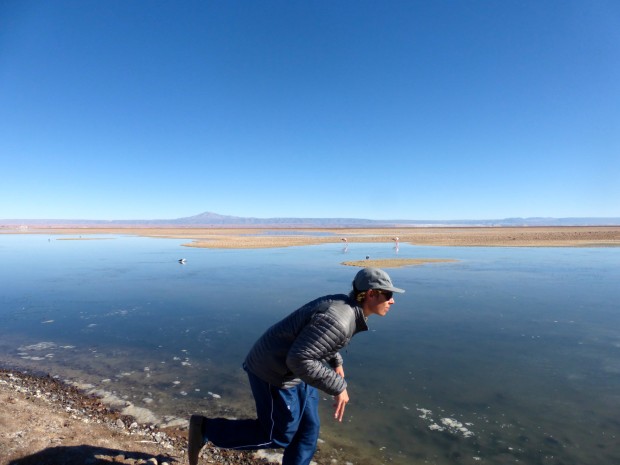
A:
[339,370]
[341,401]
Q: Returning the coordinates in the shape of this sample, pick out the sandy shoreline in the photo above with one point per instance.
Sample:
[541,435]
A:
[44,420]
[245,238]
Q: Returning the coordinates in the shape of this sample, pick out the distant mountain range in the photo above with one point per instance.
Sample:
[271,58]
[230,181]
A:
[209,219]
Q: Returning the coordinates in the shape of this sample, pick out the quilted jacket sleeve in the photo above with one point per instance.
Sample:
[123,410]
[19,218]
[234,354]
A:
[316,345]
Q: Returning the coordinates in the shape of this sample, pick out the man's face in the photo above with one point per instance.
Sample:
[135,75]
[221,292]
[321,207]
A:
[378,302]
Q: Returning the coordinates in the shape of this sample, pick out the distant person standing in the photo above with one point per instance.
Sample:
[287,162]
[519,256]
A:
[287,366]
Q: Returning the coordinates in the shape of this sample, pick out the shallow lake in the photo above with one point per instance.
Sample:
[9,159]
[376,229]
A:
[509,355]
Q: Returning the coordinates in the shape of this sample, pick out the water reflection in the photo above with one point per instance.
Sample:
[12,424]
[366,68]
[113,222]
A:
[509,355]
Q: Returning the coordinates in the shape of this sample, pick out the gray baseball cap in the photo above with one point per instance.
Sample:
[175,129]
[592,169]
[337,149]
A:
[374,278]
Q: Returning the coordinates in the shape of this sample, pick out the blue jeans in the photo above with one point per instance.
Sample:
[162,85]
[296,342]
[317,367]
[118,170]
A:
[287,418]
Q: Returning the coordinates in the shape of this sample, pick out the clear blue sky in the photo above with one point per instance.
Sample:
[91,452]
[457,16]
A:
[411,109]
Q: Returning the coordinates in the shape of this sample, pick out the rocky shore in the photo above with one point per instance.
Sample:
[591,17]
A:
[45,421]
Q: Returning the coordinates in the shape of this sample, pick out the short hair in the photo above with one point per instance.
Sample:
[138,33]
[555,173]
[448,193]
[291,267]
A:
[357,295]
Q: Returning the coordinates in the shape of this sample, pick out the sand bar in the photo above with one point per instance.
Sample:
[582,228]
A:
[244,238]
[396,262]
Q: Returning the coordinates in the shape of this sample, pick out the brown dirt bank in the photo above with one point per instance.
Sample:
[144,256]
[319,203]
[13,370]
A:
[397,262]
[595,236]
[44,421]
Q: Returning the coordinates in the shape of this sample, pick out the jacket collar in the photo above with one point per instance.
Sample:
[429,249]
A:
[360,320]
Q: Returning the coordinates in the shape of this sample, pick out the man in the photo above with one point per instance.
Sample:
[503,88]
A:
[287,365]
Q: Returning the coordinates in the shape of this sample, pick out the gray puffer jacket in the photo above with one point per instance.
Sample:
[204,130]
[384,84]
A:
[304,346]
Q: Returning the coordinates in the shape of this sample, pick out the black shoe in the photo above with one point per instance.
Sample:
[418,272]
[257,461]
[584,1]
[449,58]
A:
[194,438]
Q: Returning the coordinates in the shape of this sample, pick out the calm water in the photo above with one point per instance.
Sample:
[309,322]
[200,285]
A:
[506,356]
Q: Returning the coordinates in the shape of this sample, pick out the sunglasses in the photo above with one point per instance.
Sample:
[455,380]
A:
[388,294]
